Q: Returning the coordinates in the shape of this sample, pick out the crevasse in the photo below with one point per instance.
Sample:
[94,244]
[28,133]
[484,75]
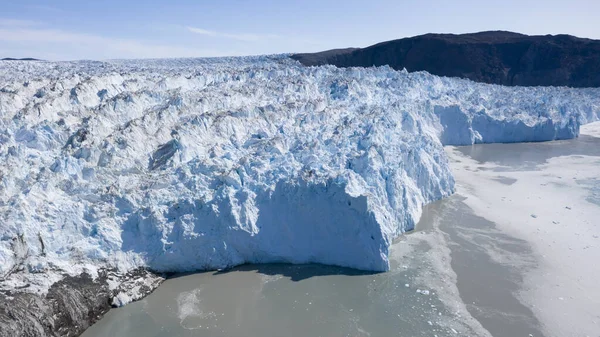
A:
[189,164]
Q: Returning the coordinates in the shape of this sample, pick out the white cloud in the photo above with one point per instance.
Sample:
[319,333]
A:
[65,45]
[4,22]
[45,8]
[240,37]
[23,38]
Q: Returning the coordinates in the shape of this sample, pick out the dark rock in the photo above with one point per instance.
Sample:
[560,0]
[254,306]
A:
[22,59]
[491,57]
[71,305]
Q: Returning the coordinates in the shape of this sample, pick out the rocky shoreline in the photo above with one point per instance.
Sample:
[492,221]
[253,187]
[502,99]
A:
[73,304]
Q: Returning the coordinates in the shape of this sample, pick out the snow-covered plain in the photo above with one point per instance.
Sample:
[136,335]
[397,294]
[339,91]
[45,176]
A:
[551,202]
[191,164]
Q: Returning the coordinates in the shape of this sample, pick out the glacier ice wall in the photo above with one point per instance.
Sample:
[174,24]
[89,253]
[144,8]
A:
[190,164]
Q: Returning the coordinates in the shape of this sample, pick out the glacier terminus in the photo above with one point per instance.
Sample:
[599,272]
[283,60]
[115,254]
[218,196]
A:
[196,164]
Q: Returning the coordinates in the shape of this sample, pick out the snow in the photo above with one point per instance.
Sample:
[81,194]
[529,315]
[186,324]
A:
[129,289]
[563,194]
[193,164]
[591,129]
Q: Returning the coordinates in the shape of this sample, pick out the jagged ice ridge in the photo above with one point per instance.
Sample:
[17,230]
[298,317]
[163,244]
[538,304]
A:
[190,164]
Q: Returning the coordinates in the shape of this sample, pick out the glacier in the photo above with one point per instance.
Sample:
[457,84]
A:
[194,164]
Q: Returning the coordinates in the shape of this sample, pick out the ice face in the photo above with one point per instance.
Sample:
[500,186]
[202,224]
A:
[191,164]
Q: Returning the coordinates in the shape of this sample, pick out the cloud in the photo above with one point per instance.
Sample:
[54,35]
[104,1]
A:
[45,8]
[239,37]
[23,38]
[65,45]
[17,23]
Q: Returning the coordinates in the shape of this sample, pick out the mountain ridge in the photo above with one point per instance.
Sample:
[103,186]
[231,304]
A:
[19,59]
[494,57]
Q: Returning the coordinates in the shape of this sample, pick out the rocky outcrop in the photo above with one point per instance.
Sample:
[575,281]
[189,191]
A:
[72,304]
[21,59]
[491,57]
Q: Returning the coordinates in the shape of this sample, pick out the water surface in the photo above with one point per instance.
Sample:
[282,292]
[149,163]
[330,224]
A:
[317,300]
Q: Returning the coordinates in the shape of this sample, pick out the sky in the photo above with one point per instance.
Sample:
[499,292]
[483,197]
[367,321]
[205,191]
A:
[109,29]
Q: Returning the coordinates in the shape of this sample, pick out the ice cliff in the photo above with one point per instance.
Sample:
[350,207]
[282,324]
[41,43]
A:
[180,165]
